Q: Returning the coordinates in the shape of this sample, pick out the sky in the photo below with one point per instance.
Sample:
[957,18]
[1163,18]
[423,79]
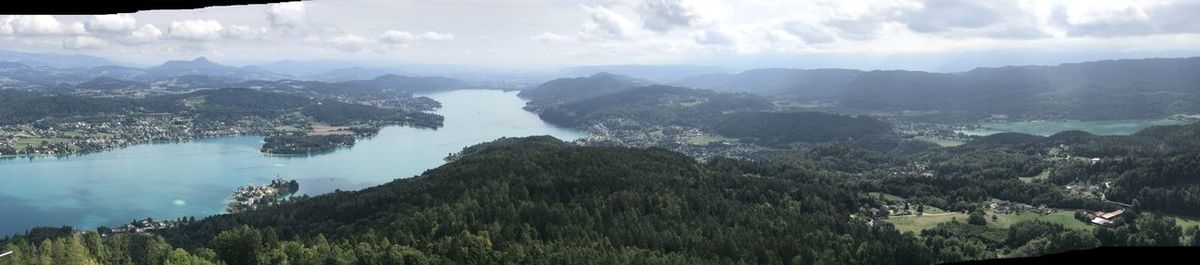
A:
[901,34]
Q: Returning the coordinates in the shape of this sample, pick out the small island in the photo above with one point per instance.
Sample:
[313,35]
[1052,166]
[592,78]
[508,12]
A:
[251,197]
[305,144]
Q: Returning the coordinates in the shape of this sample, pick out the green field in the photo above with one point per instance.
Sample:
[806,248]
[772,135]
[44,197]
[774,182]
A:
[940,142]
[1042,176]
[706,139]
[915,224]
[1064,217]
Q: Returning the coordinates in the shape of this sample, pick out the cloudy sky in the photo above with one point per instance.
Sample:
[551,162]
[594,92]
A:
[916,34]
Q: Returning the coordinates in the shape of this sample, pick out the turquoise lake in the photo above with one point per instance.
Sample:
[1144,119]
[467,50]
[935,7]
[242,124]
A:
[1047,128]
[193,178]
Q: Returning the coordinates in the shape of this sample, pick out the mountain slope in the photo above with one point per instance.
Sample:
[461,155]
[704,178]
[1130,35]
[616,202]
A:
[657,105]
[560,91]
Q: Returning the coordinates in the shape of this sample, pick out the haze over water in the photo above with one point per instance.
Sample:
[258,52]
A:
[193,178]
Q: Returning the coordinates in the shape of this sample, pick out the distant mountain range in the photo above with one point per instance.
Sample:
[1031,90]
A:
[54,60]
[202,66]
[1103,90]
[26,70]
[200,73]
[665,73]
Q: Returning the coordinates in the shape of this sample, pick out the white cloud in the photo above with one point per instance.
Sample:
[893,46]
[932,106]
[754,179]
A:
[146,33]
[37,25]
[665,15]
[289,14]
[402,38]
[243,32]
[808,32]
[76,28]
[397,37]
[84,42]
[605,23]
[1124,18]
[998,19]
[551,37]
[349,42]
[717,36]
[435,36]
[120,23]
[196,30]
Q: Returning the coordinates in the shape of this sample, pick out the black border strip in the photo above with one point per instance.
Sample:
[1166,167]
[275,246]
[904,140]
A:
[96,7]
[1108,255]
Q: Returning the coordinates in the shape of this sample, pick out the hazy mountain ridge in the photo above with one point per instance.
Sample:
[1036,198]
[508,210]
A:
[1115,89]
[196,73]
[55,60]
[202,66]
[221,104]
[661,73]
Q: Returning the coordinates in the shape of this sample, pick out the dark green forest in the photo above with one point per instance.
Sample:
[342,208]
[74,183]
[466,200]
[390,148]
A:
[780,128]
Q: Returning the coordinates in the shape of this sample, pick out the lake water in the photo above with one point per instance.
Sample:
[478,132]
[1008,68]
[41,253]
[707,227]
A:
[1047,128]
[193,178]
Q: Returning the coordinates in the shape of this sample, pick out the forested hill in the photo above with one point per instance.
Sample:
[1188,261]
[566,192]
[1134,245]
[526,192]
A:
[539,200]
[1118,89]
[19,106]
[565,90]
[658,105]
[1155,169]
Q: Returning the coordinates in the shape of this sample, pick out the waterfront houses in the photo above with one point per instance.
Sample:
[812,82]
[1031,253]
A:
[251,197]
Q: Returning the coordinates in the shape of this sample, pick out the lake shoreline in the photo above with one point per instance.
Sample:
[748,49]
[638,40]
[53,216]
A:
[193,178]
